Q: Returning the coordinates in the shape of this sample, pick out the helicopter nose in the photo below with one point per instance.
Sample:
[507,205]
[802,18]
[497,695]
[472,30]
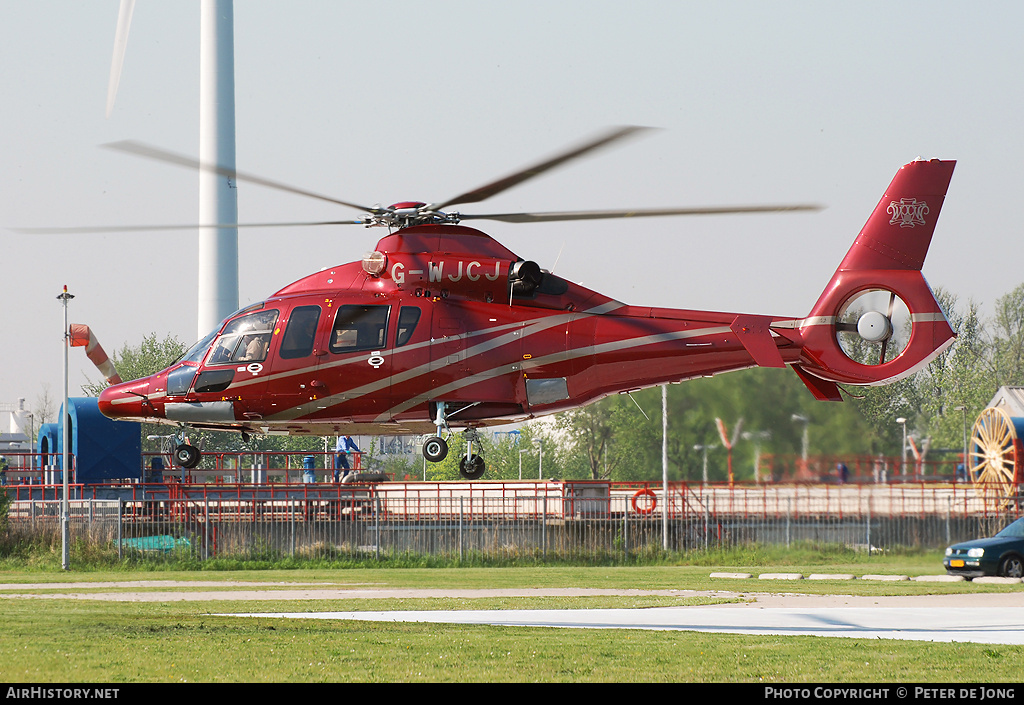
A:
[127,400]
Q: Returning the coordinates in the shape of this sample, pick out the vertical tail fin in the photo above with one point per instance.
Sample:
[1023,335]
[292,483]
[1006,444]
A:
[877,321]
[899,231]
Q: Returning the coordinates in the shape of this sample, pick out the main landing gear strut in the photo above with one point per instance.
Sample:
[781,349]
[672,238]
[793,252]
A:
[184,454]
[435,448]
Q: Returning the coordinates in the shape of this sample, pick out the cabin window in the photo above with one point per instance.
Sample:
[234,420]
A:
[408,317]
[215,380]
[359,328]
[300,334]
[179,380]
[245,339]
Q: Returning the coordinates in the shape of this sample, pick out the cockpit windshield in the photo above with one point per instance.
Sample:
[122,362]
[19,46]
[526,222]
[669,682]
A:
[197,352]
[245,339]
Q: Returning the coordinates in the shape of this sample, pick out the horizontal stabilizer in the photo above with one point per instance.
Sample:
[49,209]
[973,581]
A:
[755,335]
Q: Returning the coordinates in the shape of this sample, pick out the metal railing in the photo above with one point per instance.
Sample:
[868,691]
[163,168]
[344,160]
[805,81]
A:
[583,521]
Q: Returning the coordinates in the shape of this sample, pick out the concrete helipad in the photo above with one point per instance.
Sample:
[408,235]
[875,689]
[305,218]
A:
[989,618]
[985,625]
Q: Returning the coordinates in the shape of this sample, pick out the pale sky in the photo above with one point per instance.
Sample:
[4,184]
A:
[787,102]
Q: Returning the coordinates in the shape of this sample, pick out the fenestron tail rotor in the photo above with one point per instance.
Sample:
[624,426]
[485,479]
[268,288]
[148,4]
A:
[866,334]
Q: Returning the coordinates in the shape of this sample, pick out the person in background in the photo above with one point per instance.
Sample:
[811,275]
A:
[342,449]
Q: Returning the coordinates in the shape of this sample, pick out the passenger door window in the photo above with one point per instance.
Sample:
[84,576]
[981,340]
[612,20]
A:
[359,328]
[300,335]
[408,317]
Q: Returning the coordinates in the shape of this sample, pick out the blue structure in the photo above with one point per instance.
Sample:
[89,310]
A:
[104,449]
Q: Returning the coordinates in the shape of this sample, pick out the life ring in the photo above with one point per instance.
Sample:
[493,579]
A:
[653,501]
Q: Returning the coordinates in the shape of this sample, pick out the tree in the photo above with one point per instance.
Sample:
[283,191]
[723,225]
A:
[1005,338]
[44,410]
[957,377]
[612,437]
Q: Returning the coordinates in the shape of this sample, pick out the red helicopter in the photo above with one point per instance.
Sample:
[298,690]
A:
[442,327]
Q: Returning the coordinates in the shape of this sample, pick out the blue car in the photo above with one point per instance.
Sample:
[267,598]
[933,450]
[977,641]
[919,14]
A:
[1002,555]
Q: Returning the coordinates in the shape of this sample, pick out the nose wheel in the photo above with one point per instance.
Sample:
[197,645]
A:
[435,449]
[187,456]
[183,453]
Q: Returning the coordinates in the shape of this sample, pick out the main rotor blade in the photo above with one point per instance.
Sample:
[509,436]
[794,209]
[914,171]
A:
[638,213]
[496,187]
[124,22]
[161,155]
[72,230]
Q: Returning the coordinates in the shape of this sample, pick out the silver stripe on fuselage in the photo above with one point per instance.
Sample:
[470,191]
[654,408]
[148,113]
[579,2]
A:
[583,351]
[804,322]
[519,330]
[934,317]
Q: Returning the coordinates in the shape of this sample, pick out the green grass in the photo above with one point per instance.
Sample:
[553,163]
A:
[60,640]
[65,641]
[45,556]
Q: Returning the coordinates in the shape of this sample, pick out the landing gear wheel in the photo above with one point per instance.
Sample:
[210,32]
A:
[472,468]
[187,456]
[435,449]
[1012,567]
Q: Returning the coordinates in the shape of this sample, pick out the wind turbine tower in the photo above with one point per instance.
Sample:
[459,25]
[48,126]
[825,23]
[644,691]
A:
[218,197]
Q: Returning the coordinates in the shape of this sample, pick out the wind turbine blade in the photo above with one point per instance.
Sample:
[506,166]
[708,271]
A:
[124,22]
[736,432]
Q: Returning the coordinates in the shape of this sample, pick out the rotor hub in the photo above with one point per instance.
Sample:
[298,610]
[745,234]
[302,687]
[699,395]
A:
[874,327]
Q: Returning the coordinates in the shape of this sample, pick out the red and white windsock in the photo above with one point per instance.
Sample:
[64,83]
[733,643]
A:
[80,335]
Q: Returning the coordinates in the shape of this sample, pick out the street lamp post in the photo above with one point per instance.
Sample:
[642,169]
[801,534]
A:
[705,448]
[757,437]
[963,408]
[903,452]
[65,527]
[664,466]
[797,418]
[540,463]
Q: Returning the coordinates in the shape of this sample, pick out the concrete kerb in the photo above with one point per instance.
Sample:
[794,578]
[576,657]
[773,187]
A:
[871,577]
[992,580]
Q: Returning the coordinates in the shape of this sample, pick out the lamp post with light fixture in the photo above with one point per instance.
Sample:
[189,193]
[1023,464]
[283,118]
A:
[797,418]
[963,408]
[65,527]
[705,448]
[903,453]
